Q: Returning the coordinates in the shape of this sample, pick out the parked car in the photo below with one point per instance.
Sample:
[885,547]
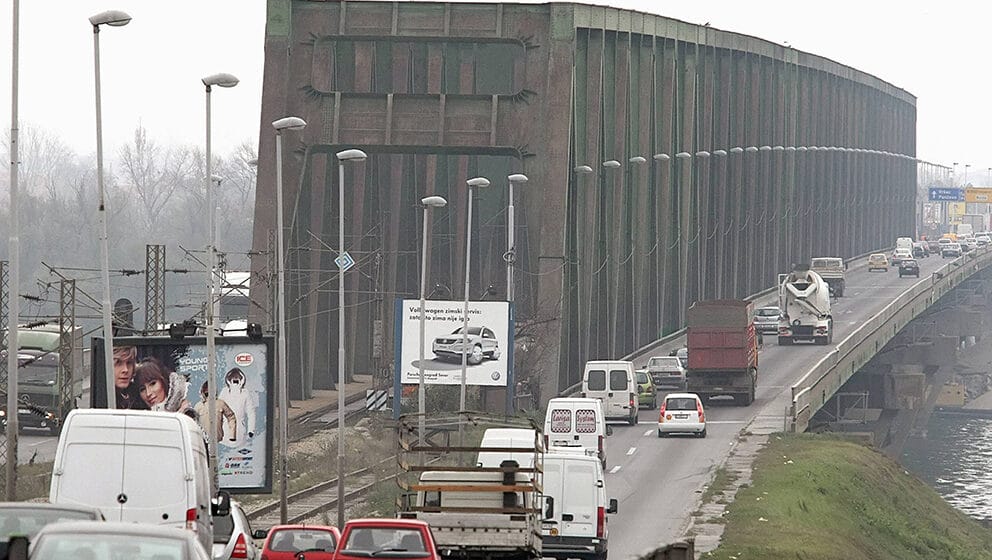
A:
[899,254]
[920,251]
[667,371]
[83,540]
[287,542]
[408,539]
[878,261]
[647,393]
[682,413]
[766,319]
[233,537]
[482,344]
[950,250]
[909,267]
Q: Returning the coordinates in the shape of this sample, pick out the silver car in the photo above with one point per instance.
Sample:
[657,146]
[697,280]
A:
[232,536]
[766,319]
[667,371]
[83,540]
[482,344]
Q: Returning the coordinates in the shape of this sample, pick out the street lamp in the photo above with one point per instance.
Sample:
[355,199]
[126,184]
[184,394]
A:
[282,125]
[113,18]
[511,254]
[476,182]
[343,156]
[13,251]
[428,203]
[210,319]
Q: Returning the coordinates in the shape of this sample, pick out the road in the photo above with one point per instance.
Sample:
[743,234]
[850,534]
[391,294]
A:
[658,481]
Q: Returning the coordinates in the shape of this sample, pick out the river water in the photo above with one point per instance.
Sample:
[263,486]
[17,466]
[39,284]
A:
[955,458]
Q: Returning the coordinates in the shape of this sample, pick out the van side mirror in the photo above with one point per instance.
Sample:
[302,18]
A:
[220,506]
[609,430]
[17,548]
[549,507]
[259,533]
[614,506]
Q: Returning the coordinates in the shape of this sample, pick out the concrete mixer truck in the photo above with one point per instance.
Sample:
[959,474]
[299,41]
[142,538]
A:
[804,298]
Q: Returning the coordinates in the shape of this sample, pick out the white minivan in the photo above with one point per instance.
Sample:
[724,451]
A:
[137,466]
[575,424]
[612,382]
[575,518]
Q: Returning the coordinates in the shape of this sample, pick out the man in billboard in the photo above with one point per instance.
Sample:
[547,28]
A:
[225,416]
[125,358]
[243,402]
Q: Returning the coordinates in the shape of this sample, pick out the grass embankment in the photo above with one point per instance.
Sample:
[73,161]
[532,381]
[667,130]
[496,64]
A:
[819,498]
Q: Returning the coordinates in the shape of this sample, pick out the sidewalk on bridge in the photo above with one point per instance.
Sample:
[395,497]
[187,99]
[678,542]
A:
[325,400]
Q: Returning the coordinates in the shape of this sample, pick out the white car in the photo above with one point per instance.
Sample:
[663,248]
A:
[682,413]
[666,371]
[983,240]
[899,255]
[482,344]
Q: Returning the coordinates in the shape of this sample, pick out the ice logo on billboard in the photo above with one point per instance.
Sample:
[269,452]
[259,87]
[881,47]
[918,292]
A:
[244,359]
[495,376]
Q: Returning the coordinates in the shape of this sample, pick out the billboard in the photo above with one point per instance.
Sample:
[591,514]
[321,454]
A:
[944,194]
[161,373]
[490,342]
[974,194]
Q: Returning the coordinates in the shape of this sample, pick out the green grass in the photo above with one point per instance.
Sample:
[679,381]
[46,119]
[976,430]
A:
[822,498]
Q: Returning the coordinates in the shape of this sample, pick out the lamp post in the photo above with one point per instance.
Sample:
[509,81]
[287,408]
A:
[476,182]
[13,248]
[113,18]
[282,125]
[428,203]
[511,249]
[225,81]
[343,157]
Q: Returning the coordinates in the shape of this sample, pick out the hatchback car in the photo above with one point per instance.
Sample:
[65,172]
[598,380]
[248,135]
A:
[682,413]
[899,255]
[950,250]
[647,394]
[286,542]
[667,371]
[81,540]
[766,319]
[233,536]
[909,267]
[878,261]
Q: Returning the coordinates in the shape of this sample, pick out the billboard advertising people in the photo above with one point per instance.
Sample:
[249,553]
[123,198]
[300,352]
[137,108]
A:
[488,352]
[159,373]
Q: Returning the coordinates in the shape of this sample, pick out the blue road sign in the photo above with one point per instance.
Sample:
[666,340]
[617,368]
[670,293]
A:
[344,261]
[944,194]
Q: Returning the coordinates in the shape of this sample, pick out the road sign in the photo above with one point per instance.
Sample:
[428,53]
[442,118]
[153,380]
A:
[978,195]
[943,194]
[376,399]
[344,261]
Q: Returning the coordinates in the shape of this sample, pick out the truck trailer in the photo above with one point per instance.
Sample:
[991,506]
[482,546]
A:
[723,350]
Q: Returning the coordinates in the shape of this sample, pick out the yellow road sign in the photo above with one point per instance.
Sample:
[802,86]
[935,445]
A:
[972,194]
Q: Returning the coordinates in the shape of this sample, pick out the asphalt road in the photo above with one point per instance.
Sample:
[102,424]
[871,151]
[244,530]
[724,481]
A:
[658,481]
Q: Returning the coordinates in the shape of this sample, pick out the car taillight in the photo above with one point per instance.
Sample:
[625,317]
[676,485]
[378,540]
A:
[661,413]
[240,548]
[600,522]
[783,330]
[546,443]
[601,444]
[699,409]
[191,519]
[631,401]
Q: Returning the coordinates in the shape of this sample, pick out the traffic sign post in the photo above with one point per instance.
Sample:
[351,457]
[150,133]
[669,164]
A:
[944,194]
[344,262]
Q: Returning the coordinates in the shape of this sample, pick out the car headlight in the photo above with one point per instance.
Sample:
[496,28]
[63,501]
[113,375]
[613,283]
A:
[3,413]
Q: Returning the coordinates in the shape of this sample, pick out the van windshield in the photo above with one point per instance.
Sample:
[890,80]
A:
[618,380]
[596,380]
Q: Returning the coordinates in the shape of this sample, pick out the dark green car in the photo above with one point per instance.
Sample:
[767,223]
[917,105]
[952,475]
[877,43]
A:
[647,394]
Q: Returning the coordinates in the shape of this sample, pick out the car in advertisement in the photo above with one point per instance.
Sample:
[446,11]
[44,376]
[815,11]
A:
[481,344]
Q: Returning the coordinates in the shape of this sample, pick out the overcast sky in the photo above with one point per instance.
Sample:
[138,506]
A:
[151,68]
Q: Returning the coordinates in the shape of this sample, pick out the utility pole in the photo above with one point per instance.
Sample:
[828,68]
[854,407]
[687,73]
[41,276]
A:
[154,286]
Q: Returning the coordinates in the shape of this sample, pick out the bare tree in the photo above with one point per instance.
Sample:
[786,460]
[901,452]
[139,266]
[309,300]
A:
[154,174]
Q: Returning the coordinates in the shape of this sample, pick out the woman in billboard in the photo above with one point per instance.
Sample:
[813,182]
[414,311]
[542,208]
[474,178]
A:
[243,402]
[159,389]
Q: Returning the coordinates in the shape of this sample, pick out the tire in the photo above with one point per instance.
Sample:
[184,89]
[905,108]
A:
[476,357]
[701,434]
[495,354]
[661,434]
[654,402]
[784,341]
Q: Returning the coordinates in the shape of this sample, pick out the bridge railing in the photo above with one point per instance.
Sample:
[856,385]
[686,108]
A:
[813,390]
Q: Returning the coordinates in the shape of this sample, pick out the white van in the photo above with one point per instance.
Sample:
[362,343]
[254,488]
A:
[575,522]
[612,382]
[137,466]
[575,424]
[508,438]
[905,243]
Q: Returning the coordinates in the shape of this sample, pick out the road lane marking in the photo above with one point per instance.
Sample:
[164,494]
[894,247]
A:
[631,451]
[649,432]
[615,469]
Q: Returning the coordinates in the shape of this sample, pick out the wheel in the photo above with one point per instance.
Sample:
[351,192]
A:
[495,354]
[654,402]
[701,434]
[917,274]
[661,434]
[476,356]
[635,420]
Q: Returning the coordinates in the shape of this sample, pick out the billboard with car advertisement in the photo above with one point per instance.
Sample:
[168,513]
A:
[160,373]
[490,342]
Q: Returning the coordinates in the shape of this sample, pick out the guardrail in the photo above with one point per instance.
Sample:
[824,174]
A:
[678,335]
[824,379]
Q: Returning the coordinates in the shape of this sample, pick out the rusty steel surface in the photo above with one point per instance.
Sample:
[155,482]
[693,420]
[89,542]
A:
[608,259]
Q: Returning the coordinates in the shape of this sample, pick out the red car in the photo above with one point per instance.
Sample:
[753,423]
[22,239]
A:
[386,538]
[286,542]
